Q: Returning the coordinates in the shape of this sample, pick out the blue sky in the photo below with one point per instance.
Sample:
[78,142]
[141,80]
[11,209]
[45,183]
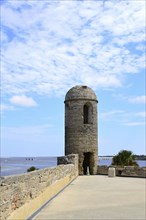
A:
[49,47]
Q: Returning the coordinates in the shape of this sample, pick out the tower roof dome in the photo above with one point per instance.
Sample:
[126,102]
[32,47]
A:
[80,92]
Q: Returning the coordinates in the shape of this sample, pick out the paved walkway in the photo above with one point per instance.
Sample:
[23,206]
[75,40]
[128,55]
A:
[98,197]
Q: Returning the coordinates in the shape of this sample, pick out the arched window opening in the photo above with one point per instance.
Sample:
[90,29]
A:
[86,114]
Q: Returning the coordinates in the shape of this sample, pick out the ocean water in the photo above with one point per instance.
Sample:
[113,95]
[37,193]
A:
[19,165]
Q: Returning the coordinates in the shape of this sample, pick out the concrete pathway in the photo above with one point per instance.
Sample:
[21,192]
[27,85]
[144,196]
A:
[98,197]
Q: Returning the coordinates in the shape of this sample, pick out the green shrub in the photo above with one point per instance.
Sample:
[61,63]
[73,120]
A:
[124,158]
[31,169]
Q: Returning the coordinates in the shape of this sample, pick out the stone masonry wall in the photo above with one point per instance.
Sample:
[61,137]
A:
[22,195]
[124,171]
[82,137]
[68,159]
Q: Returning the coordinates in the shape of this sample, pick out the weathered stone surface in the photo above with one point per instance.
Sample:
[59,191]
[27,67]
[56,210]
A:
[68,159]
[17,191]
[124,171]
[134,171]
[80,92]
[81,127]
[111,172]
[102,170]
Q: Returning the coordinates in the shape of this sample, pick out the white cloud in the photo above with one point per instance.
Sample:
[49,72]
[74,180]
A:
[134,123]
[52,46]
[124,118]
[31,133]
[111,114]
[138,99]
[135,99]
[23,100]
[140,114]
[4,107]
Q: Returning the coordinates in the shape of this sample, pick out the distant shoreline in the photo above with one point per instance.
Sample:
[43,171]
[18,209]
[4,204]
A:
[137,157]
[19,165]
[140,157]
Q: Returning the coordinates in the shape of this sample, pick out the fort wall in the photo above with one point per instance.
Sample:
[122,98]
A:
[22,195]
[129,171]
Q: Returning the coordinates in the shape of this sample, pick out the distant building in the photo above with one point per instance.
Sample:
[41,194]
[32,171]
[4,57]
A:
[81,127]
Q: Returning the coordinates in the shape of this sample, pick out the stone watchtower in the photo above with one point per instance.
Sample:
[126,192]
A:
[81,127]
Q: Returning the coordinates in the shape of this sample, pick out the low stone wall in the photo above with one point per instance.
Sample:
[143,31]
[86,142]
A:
[68,159]
[22,195]
[134,171]
[124,171]
[102,170]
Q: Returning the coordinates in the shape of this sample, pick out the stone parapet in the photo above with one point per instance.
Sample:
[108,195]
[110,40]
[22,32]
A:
[134,171]
[68,159]
[124,171]
[22,195]
[102,170]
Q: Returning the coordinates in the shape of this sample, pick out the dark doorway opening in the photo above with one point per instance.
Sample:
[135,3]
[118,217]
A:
[87,163]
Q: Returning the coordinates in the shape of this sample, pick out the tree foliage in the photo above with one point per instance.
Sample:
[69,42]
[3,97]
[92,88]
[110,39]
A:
[124,158]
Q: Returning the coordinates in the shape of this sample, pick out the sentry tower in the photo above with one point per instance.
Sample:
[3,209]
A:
[81,127]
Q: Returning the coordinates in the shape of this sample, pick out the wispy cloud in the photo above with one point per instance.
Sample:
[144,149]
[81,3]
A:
[135,119]
[141,99]
[134,123]
[140,114]
[138,100]
[23,100]
[50,46]
[111,114]
[5,107]
[124,118]
[24,132]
